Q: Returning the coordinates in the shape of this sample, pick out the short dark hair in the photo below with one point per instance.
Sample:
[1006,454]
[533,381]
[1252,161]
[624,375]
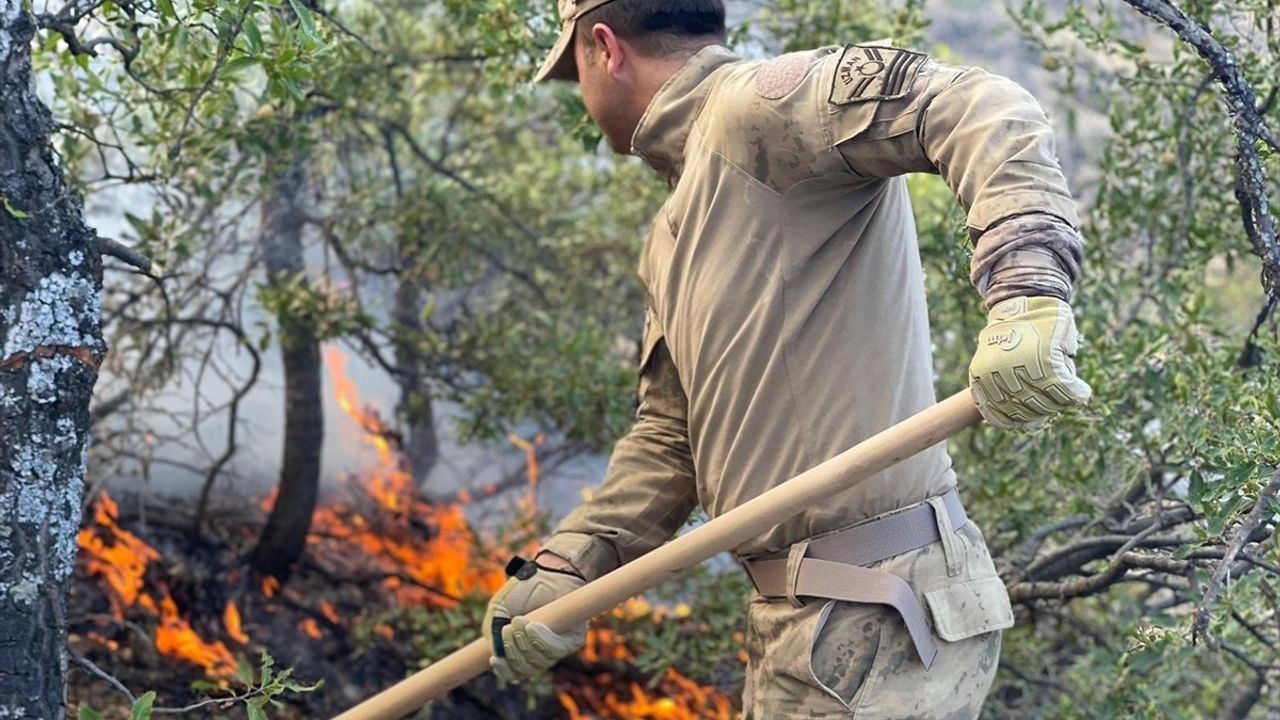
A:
[659,27]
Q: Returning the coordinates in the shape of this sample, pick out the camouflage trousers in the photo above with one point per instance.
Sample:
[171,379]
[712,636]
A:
[836,659]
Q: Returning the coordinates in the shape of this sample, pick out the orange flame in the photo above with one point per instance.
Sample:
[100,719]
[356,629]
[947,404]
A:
[120,559]
[122,562]
[104,641]
[530,449]
[435,567]
[311,628]
[326,609]
[231,621]
[176,638]
[604,644]
[529,504]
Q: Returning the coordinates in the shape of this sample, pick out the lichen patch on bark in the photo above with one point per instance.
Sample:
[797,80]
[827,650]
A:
[53,314]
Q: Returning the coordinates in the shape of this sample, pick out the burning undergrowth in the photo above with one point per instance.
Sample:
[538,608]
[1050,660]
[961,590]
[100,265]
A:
[389,581]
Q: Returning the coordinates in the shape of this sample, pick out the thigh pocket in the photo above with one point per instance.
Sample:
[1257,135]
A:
[849,642]
[977,602]
[970,608]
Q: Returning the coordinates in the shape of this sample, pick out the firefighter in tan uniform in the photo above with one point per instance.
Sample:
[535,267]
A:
[786,322]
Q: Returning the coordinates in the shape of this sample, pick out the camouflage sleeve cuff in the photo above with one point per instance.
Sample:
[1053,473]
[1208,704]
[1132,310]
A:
[593,556]
[1032,254]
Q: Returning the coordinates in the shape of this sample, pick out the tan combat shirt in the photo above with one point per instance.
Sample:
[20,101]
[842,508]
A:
[786,317]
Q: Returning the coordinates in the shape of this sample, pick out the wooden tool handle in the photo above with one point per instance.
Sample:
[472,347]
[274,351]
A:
[730,530]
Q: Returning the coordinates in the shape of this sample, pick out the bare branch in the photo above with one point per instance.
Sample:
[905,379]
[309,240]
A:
[1118,570]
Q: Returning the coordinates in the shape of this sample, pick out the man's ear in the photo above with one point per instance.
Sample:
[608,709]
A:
[615,56]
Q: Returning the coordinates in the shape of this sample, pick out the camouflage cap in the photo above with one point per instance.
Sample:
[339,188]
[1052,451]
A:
[559,63]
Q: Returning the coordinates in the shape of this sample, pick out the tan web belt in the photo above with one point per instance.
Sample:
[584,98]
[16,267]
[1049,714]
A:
[828,566]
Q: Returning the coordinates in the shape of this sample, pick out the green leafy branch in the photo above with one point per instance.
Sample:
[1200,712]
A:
[270,686]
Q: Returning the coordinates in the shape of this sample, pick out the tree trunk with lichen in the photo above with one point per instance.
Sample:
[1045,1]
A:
[284,538]
[50,345]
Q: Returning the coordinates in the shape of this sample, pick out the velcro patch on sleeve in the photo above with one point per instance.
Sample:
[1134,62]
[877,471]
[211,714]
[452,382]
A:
[778,77]
[873,72]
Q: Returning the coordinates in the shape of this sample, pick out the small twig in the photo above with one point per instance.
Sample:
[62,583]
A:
[233,416]
[1200,619]
[67,29]
[1264,107]
[110,679]
[206,703]
[1249,627]
[124,253]
[327,15]
[1138,539]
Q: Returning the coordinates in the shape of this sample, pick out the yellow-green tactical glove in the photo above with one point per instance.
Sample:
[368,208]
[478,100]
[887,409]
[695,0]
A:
[1023,371]
[521,649]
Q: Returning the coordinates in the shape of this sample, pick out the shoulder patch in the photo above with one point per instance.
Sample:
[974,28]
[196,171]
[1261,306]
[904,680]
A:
[779,76]
[873,72]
